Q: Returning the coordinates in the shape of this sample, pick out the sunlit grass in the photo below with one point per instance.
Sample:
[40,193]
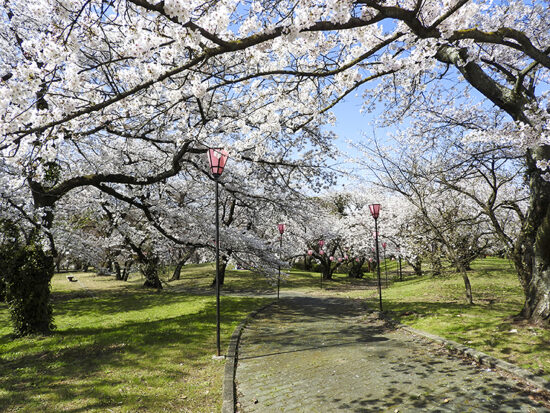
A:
[119,348]
[197,278]
[438,305]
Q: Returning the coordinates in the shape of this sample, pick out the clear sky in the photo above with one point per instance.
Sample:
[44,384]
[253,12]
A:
[353,125]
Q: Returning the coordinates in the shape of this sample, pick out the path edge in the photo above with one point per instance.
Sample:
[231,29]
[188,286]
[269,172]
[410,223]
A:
[229,398]
[531,379]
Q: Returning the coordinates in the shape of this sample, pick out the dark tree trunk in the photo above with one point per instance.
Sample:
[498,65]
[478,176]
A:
[327,269]
[27,271]
[535,279]
[2,290]
[308,263]
[29,293]
[126,270]
[327,272]
[177,271]
[150,271]
[58,261]
[416,266]
[463,266]
[356,269]
[118,272]
[121,274]
[223,266]
[463,263]
[176,275]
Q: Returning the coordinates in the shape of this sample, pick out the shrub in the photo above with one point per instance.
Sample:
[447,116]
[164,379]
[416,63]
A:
[26,272]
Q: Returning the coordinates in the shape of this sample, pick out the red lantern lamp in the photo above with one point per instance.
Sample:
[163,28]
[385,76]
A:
[374,210]
[217,158]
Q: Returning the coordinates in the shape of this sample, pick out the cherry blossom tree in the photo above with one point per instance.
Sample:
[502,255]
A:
[124,95]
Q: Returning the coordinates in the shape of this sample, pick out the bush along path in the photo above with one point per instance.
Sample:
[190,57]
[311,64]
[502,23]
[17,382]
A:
[310,354]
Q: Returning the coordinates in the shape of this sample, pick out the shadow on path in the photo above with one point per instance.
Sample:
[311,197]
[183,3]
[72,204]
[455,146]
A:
[318,354]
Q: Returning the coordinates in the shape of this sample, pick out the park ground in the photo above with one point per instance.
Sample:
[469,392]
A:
[120,348]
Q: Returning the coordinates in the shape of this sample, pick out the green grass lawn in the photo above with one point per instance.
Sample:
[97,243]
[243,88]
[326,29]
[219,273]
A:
[438,305]
[119,348]
[197,278]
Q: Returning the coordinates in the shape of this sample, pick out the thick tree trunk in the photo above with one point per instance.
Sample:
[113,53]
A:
[150,272]
[327,272]
[356,269]
[308,263]
[121,274]
[29,293]
[536,253]
[28,270]
[223,266]
[327,269]
[417,267]
[126,270]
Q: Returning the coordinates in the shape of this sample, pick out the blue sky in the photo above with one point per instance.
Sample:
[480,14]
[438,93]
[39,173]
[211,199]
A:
[353,125]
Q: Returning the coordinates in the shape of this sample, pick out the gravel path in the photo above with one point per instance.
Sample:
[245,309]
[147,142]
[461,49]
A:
[307,354]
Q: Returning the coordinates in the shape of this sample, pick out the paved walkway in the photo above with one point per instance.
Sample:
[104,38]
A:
[307,354]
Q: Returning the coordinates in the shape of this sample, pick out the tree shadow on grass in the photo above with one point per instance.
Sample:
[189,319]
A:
[82,368]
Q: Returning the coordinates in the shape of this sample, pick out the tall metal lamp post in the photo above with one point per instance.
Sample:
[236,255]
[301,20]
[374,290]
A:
[384,245]
[281,231]
[217,158]
[375,211]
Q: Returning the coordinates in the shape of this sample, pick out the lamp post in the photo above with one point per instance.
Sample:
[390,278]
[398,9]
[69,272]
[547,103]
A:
[321,252]
[281,231]
[384,245]
[375,211]
[217,157]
